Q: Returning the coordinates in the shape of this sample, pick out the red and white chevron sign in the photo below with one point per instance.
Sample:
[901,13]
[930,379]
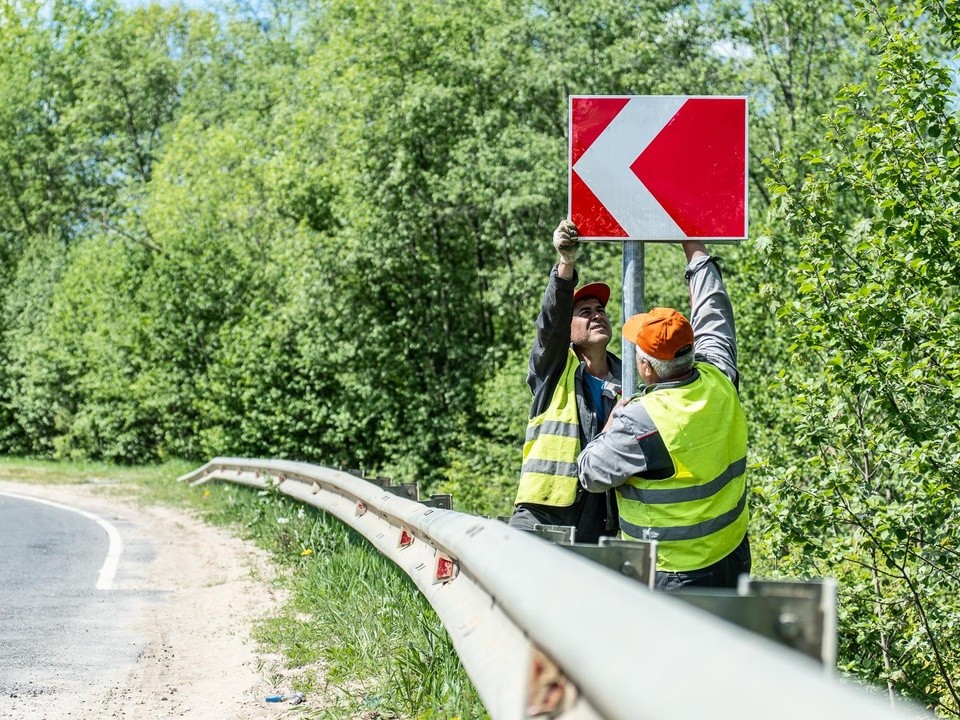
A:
[658,167]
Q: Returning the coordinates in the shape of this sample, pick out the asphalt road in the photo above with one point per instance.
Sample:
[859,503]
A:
[58,631]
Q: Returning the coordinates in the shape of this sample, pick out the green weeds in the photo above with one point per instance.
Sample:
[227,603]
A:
[356,630]
[155,478]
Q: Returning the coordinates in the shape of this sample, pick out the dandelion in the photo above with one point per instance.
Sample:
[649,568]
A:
[283,521]
[306,551]
[206,493]
[301,513]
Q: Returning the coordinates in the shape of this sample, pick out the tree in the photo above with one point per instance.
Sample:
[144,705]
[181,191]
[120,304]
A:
[91,90]
[876,325]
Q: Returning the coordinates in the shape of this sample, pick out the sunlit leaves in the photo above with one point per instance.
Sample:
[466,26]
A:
[877,324]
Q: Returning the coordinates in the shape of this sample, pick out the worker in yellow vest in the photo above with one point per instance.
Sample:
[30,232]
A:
[575,384]
[676,451]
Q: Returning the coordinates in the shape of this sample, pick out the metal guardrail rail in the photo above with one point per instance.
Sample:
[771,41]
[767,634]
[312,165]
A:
[546,633]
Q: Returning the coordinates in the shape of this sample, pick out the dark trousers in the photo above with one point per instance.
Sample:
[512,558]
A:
[592,514]
[722,574]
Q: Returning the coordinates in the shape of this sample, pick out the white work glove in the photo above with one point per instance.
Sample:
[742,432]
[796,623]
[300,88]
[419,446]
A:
[566,241]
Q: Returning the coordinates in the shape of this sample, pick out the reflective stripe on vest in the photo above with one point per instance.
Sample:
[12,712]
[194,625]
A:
[698,515]
[549,474]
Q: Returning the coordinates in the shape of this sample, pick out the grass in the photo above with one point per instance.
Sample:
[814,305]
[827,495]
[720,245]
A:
[72,473]
[356,635]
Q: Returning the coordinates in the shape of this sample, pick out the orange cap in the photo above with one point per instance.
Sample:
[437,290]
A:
[662,333]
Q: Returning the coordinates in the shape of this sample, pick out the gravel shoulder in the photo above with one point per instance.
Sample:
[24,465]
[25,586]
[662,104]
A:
[197,592]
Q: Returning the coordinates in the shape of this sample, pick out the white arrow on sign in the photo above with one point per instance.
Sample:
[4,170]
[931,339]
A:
[605,168]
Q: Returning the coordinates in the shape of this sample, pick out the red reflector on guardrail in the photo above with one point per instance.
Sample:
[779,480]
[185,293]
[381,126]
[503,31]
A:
[445,569]
[406,538]
[361,509]
[549,692]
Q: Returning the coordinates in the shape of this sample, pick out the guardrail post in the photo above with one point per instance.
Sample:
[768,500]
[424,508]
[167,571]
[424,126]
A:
[798,614]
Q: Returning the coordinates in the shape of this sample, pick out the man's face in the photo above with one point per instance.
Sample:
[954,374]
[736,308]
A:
[590,325]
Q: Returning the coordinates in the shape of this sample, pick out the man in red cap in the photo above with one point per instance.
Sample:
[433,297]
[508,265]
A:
[575,384]
[676,451]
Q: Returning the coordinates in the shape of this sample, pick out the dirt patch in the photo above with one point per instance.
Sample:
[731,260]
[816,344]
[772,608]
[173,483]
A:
[202,590]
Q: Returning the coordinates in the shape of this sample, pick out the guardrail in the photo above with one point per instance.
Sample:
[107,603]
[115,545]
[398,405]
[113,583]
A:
[547,633]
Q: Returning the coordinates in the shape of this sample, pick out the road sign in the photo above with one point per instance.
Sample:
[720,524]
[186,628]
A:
[658,167]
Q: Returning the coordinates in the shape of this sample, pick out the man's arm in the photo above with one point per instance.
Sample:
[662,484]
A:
[620,451]
[556,310]
[552,340]
[711,312]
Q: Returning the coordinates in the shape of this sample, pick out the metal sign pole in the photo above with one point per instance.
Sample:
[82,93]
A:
[632,304]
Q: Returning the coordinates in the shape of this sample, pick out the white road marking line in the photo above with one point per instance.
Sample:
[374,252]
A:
[109,569]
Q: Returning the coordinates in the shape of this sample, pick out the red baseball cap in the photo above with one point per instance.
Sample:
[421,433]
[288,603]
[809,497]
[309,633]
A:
[662,333]
[600,291]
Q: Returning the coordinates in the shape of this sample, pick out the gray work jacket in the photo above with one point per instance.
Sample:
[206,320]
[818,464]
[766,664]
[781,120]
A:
[633,446]
[591,514]
[548,357]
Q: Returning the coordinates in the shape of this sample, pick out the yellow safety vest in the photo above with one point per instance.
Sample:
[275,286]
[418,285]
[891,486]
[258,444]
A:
[549,474]
[699,515]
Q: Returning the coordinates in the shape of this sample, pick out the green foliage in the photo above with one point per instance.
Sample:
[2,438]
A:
[89,360]
[269,186]
[90,89]
[481,469]
[875,328]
